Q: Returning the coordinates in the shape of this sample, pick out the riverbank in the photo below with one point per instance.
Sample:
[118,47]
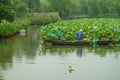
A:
[8,29]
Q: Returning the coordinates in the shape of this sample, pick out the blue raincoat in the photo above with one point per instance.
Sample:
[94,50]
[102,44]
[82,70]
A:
[79,35]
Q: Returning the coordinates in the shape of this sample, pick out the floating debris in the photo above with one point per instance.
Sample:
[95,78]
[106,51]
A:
[71,68]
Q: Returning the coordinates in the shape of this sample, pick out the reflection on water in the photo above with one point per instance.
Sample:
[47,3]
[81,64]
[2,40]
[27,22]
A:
[18,47]
[101,51]
[23,58]
[79,52]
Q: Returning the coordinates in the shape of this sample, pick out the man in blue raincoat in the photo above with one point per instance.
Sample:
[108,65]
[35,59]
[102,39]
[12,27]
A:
[79,35]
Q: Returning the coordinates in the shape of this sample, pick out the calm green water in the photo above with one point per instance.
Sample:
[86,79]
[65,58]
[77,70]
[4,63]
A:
[23,58]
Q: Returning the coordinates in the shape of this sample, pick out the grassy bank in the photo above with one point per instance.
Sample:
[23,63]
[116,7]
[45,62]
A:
[8,29]
[94,29]
[44,18]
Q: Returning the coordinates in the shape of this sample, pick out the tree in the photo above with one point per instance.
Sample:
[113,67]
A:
[20,8]
[63,7]
[34,5]
[117,6]
[84,7]
[93,7]
[6,10]
[44,6]
[103,7]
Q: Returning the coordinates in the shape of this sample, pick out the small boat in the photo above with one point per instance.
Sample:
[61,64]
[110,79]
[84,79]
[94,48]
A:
[78,42]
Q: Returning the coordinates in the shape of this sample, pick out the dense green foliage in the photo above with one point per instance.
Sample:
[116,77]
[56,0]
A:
[86,8]
[68,8]
[6,10]
[63,7]
[93,30]
[20,8]
[82,8]
[34,5]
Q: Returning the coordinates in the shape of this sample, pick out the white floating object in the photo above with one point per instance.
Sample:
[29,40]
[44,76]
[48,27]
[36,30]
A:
[22,32]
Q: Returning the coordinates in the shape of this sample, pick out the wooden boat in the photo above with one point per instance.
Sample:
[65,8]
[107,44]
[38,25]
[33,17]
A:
[78,42]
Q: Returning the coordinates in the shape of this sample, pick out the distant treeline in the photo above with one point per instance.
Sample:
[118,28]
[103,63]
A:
[86,8]
[66,8]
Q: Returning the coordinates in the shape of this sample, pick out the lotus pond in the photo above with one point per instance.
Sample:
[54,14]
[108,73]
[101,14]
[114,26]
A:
[24,58]
[93,29]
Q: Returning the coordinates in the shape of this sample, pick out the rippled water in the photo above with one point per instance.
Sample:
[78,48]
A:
[23,58]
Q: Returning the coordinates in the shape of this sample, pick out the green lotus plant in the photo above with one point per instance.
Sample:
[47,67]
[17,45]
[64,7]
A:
[93,29]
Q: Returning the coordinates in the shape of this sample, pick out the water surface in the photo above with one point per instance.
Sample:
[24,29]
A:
[23,58]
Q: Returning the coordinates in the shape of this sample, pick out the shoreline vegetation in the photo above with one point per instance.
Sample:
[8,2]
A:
[53,28]
[94,30]
[9,29]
